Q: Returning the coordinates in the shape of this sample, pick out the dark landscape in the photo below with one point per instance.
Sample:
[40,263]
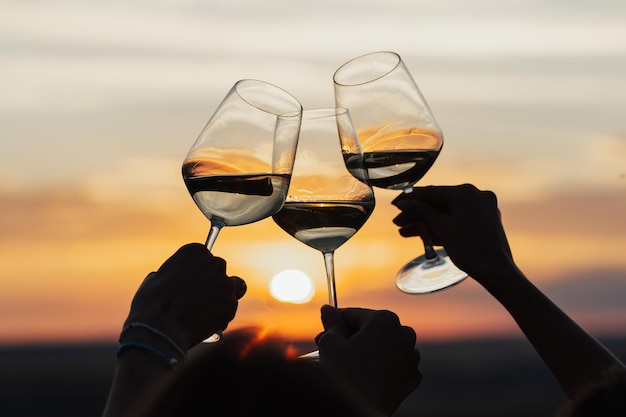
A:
[474,378]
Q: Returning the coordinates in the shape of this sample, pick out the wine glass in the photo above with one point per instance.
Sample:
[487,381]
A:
[325,205]
[399,141]
[238,169]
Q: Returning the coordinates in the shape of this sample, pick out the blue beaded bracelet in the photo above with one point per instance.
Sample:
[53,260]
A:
[155,331]
[172,362]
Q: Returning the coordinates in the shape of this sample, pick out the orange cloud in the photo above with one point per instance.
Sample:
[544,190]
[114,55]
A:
[71,263]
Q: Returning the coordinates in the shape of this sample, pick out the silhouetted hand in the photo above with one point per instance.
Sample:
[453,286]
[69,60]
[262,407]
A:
[373,353]
[466,221]
[462,219]
[185,301]
[189,298]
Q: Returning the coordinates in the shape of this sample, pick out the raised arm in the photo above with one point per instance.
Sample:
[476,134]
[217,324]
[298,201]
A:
[187,300]
[466,221]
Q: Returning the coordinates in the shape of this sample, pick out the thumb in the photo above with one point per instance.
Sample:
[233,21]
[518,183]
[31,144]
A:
[416,211]
[329,342]
[335,328]
[333,321]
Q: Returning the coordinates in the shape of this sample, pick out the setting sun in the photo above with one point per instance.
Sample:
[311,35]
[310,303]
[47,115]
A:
[292,286]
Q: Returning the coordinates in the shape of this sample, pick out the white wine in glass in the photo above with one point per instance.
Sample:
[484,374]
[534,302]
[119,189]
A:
[326,205]
[239,168]
[398,141]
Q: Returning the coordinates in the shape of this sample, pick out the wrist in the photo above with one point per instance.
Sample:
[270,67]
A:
[151,340]
[156,323]
[509,286]
[497,274]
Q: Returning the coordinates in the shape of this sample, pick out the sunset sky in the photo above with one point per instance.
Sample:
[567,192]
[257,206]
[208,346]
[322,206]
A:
[101,101]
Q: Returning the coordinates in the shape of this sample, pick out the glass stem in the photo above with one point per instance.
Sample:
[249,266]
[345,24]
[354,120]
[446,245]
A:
[429,251]
[210,240]
[215,230]
[329,262]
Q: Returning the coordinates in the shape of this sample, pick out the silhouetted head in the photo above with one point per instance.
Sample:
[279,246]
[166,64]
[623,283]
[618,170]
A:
[245,374]
[605,399]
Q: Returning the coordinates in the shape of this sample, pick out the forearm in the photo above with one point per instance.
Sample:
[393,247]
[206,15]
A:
[574,356]
[146,357]
[138,372]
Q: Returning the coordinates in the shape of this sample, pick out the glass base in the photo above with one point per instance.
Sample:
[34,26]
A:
[424,276]
[311,356]
[214,338]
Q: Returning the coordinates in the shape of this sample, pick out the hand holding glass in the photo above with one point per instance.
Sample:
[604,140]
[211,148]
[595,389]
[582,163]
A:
[239,168]
[399,141]
[326,205]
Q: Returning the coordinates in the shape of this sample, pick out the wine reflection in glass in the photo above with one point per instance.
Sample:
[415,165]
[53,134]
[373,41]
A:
[398,141]
[325,205]
[238,169]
